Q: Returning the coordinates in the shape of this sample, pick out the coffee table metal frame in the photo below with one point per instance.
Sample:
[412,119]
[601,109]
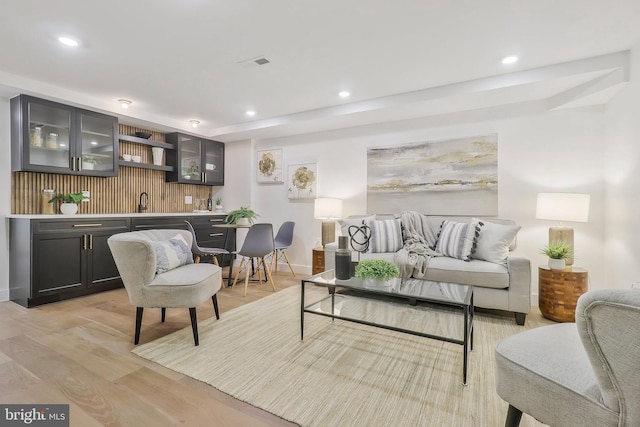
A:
[327,279]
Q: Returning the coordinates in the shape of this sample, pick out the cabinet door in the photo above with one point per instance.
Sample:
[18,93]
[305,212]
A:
[102,270]
[97,150]
[213,162]
[58,263]
[190,158]
[42,134]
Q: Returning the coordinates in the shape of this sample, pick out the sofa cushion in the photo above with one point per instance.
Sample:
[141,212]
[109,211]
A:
[474,272]
[171,253]
[494,240]
[386,235]
[457,239]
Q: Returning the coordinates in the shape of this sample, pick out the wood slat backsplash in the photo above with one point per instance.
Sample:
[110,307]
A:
[110,195]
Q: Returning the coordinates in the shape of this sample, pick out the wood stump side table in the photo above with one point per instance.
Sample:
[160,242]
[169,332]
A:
[559,290]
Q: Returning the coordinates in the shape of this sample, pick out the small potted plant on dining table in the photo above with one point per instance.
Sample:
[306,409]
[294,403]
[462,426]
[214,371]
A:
[243,216]
[69,205]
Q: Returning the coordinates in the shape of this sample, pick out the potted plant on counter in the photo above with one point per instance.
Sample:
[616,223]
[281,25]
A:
[218,204]
[89,162]
[69,205]
[243,216]
[558,253]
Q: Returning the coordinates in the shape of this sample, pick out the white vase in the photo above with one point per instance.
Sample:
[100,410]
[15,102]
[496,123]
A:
[69,208]
[87,166]
[557,264]
[157,155]
[218,208]
[243,221]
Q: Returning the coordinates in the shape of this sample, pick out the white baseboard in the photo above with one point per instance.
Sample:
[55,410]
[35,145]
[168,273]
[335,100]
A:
[4,295]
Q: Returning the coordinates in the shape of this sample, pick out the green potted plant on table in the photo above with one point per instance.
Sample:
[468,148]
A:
[69,205]
[376,269]
[243,216]
[558,253]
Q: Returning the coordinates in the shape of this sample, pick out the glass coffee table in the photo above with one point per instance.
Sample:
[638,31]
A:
[437,310]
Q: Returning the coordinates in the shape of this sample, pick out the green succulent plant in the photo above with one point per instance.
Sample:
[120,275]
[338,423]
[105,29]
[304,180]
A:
[243,212]
[376,269]
[68,198]
[557,250]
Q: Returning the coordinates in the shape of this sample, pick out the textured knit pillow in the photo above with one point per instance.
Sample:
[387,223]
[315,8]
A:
[494,242]
[386,236]
[457,239]
[347,230]
[172,253]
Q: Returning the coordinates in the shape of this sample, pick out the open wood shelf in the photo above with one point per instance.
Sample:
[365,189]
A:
[144,142]
[144,166]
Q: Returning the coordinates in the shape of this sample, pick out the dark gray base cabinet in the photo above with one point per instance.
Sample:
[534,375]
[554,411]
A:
[57,259]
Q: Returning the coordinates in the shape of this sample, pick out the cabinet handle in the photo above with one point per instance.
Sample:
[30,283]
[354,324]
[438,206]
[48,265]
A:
[216,220]
[202,177]
[79,164]
[91,241]
[87,225]
[215,234]
[84,242]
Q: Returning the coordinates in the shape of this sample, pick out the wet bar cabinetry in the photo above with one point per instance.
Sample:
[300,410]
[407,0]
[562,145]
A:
[195,160]
[54,259]
[51,137]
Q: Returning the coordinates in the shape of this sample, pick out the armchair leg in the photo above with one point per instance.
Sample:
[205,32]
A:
[513,417]
[164,314]
[139,310]
[520,318]
[215,305]
[194,324]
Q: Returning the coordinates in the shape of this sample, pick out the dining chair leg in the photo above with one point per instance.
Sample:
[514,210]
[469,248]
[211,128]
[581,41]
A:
[139,311]
[197,259]
[246,280]
[277,255]
[163,314]
[194,324]
[238,272]
[286,258]
[215,305]
[270,279]
[274,258]
[215,260]
[260,263]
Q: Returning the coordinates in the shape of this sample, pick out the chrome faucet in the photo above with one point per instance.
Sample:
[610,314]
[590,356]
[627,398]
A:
[141,207]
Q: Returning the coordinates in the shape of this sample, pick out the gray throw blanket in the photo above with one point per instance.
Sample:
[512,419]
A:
[418,236]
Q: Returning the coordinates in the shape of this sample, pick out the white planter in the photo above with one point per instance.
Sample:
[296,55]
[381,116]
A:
[243,221]
[218,208]
[69,208]
[87,166]
[557,264]
[157,153]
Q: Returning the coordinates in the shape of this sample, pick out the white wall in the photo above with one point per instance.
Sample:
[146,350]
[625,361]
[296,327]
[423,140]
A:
[5,196]
[556,151]
[622,173]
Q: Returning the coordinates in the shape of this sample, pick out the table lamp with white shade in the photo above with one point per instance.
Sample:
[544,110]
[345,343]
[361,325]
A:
[570,207]
[328,210]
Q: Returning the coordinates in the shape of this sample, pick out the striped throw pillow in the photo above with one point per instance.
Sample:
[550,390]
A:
[386,235]
[457,240]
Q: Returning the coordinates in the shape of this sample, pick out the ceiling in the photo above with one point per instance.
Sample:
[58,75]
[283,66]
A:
[192,59]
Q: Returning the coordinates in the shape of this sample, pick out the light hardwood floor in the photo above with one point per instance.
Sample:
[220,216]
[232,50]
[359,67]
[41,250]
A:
[79,352]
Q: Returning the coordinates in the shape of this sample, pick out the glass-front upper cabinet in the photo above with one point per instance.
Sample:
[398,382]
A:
[195,160]
[51,137]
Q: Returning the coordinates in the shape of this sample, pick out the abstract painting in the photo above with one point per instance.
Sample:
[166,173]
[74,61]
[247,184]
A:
[270,166]
[449,177]
[303,180]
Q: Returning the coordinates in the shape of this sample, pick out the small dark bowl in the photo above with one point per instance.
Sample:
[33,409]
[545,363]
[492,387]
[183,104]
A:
[145,135]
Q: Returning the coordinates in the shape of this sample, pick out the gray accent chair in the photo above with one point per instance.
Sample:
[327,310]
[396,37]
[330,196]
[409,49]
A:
[186,286]
[576,374]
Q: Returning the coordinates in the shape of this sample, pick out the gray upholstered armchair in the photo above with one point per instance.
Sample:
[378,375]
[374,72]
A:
[157,269]
[577,374]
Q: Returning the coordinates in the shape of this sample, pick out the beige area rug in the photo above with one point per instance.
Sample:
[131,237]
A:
[342,374]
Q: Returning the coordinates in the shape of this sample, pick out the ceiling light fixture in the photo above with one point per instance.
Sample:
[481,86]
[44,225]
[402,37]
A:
[344,94]
[194,123]
[251,113]
[68,41]
[125,103]
[509,59]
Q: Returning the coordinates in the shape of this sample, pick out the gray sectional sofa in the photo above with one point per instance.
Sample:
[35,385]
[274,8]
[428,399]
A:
[480,253]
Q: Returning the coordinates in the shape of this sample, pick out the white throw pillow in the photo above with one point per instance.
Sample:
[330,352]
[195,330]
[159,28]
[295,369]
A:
[494,241]
[172,253]
[457,239]
[386,236]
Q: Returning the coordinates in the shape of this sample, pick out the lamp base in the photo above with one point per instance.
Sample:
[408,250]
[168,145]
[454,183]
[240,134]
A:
[328,232]
[565,235]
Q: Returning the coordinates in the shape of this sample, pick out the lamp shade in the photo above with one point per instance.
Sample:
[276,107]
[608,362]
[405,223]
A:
[325,208]
[563,207]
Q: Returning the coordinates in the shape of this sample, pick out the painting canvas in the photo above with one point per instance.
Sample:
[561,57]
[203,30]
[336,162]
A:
[303,180]
[449,177]
[270,166]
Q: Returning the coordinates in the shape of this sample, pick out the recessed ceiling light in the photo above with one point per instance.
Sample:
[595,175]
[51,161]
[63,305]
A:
[509,59]
[194,123]
[68,41]
[250,113]
[344,94]
[125,103]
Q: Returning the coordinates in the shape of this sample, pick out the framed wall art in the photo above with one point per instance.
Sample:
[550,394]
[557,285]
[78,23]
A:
[269,164]
[302,181]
